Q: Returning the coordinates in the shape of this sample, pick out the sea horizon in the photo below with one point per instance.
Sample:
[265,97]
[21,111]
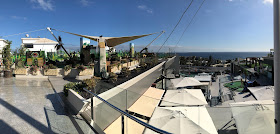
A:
[224,55]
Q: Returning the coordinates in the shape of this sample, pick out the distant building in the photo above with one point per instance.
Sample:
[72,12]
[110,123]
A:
[39,44]
[2,45]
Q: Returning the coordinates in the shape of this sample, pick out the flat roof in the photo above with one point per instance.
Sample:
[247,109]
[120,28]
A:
[203,78]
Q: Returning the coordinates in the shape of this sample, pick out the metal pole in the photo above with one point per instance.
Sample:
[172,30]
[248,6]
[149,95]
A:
[91,105]
[276,11]
[122,124]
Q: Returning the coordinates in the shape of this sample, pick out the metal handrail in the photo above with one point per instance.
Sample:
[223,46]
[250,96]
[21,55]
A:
[128,115]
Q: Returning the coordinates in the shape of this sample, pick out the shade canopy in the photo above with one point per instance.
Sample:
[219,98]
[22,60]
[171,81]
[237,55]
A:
[263,92]
[254,117]
[185,82]
[182,120]
[112,41]
[183,97]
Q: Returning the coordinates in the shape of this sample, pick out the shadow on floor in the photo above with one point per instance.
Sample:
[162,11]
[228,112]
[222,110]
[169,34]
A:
[71,79]
[36,124]
[5,128]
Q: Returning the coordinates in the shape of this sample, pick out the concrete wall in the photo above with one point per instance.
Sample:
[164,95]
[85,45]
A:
[123,96]
[77,102]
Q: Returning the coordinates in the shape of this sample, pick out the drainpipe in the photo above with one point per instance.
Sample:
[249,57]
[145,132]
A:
[276,13]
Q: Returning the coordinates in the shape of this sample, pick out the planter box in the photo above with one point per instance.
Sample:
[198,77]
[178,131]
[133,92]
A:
[124,65]
[77,101]
[21,71]
[51,72]
[114,69]
[86,72]
[71,73]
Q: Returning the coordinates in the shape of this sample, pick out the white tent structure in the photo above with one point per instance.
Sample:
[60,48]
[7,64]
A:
[107,41]
[182,120]
[183,97]
[254,117]
[263,92]
[185,82]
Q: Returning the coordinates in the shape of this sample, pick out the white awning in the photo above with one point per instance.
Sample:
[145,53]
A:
[182,120]
[183,97]
[185,82]
[263,92]
[254,117]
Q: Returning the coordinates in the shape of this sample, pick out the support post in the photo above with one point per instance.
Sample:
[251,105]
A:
[102,57]
[276,13]
[91,105]
[122,124]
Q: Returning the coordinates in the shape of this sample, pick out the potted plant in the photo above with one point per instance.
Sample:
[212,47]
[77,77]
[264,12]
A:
[7,59]
[33,70]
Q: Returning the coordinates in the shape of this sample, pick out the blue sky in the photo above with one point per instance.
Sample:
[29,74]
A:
[220,25]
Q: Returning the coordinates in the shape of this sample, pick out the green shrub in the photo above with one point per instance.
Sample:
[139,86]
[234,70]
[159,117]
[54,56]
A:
[67,67]
[143,65]
[138,70]
[125,71]
[81,67]
[51,66]
[7,57]
[113,77]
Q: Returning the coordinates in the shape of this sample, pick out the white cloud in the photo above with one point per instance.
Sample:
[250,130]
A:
[145,8]
[267,1]
[264,1]
[43,4]
[86,2]
[18,18]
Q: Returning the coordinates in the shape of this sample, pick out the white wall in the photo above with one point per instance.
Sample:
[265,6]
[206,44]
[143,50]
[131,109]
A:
[47,47]
[43,47]
[2,45]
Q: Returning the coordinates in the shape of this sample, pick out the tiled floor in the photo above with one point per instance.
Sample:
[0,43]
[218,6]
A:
[31,106]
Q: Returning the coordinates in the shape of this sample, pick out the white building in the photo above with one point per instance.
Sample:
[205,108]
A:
[39,44]
[2,45]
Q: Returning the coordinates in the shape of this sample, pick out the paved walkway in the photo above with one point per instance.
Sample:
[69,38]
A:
[31,106]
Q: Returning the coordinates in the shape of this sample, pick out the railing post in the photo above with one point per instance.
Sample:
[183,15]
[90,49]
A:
[122,124]
[91,104]
[276,13]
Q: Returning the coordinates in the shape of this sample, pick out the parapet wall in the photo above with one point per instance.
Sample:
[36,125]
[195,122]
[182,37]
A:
[124,95]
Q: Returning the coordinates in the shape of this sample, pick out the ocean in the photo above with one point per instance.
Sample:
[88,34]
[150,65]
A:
[224,55]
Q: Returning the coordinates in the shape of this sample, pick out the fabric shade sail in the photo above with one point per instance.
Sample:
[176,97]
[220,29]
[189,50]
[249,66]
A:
[182,120]
[183,97]
[185,82]
[263,92]
[254,117]
[111,41]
